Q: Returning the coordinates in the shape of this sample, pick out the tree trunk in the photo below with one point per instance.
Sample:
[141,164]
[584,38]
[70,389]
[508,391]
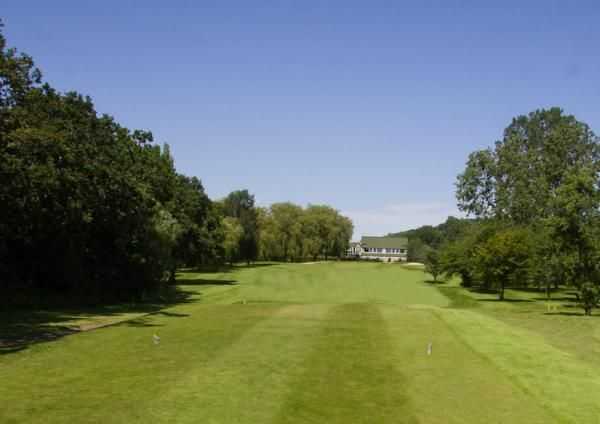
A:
[502,291]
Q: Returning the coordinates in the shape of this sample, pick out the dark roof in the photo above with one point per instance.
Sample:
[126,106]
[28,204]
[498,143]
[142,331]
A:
[385,242]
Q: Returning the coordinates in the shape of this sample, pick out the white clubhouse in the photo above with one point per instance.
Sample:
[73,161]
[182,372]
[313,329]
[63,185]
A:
[387,249]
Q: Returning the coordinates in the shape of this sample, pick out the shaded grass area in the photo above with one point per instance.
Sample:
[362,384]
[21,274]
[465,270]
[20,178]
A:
[458,297]
[21,327]
[561,300]
[118,374]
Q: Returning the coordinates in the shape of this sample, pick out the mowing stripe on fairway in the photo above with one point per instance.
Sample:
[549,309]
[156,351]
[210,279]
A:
[116,374]
[568,387]
[248,381]
[349,377]
[453,384]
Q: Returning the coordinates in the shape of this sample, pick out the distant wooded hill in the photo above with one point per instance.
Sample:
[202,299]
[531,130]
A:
[427,237]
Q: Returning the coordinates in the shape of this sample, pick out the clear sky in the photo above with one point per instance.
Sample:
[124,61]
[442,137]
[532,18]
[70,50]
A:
[369,106]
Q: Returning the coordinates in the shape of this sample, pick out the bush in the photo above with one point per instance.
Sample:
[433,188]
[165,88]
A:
[433,264]
[589,297]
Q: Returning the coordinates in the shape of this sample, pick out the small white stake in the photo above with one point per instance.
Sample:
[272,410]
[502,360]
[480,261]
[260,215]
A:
[156,339]
[429,348]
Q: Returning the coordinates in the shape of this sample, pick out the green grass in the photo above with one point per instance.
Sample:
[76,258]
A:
[313,343]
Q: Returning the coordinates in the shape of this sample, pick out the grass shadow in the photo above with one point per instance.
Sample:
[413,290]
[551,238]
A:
[572,314]
[506,300]
[205,282]
[23,327]
[170,314]
[556,299]
[458,298]
[140,322]
[225,268]
[434,282]
[482,290]
[533,289]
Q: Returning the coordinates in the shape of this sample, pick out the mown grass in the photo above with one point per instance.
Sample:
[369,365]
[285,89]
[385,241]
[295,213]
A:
[335,282]
[329,342]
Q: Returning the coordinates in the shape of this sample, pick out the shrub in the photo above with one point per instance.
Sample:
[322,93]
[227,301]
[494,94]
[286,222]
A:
[589,297]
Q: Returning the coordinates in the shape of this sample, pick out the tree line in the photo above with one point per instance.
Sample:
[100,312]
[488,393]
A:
[290,232]
[92,208]
[535,200]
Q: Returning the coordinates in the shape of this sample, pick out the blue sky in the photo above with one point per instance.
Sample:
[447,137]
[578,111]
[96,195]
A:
[370,106]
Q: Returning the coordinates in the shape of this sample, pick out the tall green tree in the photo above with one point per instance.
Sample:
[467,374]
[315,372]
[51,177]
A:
[503,259]
[319,225]
[342,234]
[88,206]
[542,174]
[575,221]
[240,204]
[200,238]
[233,233]
[519,178]
[268,242]
[288,229]
[458,257]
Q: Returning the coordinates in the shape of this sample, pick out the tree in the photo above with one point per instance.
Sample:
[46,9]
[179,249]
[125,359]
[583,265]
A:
[503,258]
[518,179]
[458,257]
[574,223]
[325,232]
[240,204]
[433,264]
[312,243]
[342,234]
[268,245]
[589,297]
[543,174]
[417,250]
[200,238]
[427,234]
[80,213]
[18,76]
[444,249]
[289,232]
[88,206]
[550,265]
[288,229]
[233,233]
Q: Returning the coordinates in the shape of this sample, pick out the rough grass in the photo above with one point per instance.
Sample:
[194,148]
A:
[325,343]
